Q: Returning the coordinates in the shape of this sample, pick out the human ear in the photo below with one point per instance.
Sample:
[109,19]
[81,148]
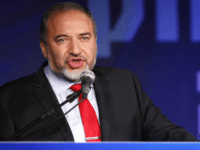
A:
[43,48]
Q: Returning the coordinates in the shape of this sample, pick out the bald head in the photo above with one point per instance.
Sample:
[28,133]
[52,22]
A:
[63,7]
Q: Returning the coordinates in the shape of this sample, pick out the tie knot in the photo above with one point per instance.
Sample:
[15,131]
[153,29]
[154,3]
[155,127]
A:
[76,87]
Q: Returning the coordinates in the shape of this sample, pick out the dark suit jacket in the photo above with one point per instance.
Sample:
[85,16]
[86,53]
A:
[126,112]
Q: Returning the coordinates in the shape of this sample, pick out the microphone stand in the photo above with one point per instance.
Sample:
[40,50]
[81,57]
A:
[70,99]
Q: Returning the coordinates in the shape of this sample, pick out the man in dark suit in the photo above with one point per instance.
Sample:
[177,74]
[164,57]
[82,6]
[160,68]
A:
[123,111]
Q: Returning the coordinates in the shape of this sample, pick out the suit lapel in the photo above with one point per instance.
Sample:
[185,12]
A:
[48,100]
[101,87]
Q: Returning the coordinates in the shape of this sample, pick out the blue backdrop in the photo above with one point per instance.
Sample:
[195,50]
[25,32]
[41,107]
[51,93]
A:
[159,40]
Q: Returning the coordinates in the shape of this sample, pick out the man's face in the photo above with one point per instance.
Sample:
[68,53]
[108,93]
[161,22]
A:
[71,44]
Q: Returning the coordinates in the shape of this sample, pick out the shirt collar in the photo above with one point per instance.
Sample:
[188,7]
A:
[58,84]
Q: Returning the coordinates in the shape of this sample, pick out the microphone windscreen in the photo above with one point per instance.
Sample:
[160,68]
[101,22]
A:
[88,73]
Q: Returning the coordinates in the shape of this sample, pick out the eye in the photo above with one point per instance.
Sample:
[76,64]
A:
[84,38]
[61,40]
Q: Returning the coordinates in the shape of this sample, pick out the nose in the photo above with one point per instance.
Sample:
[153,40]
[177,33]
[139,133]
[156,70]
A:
[75,49]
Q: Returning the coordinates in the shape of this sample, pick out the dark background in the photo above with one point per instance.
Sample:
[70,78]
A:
[167,69]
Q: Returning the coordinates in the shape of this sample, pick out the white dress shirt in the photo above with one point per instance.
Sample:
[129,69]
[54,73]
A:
[62,89]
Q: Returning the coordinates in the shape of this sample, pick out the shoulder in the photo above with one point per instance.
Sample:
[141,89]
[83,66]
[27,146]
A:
[12,84]
[110,72]
[22,89]
[118,77]
[25,81]
[12,89]
[16,89]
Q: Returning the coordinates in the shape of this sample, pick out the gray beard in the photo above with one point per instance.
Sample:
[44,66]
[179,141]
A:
[65,74]
[73,76]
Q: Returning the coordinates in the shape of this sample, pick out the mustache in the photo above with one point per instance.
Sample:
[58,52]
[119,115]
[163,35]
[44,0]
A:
[75,57]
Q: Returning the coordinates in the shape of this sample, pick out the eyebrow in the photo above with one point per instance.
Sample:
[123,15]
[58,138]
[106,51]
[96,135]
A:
[64,35]
[87,33]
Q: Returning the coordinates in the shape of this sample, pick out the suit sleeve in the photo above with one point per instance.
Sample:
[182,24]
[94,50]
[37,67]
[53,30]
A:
[155,125]
[6,123]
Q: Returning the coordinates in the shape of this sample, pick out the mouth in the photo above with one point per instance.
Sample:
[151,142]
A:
[75,62]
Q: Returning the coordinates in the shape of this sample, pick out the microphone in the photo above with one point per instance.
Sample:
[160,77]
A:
[87,78]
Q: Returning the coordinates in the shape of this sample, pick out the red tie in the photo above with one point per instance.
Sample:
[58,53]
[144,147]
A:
[89,118]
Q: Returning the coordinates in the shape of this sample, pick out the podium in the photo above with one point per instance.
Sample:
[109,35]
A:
[101,146]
